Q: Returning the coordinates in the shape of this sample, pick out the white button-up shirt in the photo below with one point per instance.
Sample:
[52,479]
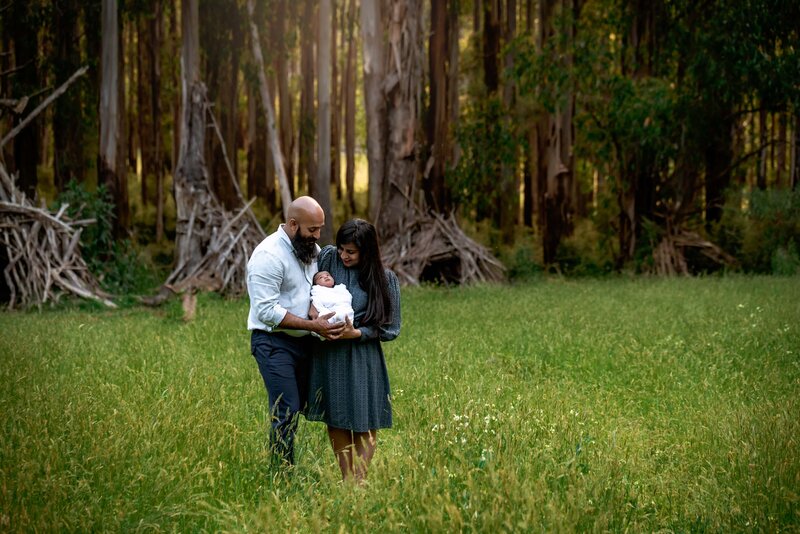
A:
[278,282]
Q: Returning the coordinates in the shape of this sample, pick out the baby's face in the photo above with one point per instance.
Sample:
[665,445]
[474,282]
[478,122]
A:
[324,278]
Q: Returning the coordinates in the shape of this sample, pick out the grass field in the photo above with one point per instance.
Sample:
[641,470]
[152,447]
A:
[613,405]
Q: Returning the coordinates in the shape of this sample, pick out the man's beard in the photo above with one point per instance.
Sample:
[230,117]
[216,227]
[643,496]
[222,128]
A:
[305,248]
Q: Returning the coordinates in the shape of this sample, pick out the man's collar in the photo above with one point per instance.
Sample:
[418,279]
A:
[283,235]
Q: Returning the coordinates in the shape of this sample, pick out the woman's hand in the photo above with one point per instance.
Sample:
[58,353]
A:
[350,332]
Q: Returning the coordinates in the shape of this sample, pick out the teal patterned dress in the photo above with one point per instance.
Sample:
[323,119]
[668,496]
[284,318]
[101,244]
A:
[349,381]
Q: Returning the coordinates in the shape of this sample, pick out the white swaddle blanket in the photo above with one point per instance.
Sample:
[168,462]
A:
[335,299]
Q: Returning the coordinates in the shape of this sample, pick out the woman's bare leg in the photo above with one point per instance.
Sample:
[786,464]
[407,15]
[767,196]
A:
[365,445]
[344,449]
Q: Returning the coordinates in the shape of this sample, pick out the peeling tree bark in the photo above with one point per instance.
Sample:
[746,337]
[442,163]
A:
[349,92]
[372,41]
[322,191]
[111,165]
[402,87]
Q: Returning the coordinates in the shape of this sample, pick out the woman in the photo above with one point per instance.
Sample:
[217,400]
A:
[349,381]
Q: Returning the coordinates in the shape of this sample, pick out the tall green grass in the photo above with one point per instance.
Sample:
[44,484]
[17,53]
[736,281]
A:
[621,405]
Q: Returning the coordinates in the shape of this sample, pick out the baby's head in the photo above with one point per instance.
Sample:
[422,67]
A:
[324,278]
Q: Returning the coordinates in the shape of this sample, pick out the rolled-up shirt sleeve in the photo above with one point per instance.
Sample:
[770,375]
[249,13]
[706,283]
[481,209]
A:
[264,278]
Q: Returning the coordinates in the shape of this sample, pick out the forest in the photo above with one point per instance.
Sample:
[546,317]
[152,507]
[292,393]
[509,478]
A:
[581,137]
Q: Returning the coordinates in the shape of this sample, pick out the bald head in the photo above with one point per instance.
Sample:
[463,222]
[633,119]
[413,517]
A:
[304,215]
[303,207]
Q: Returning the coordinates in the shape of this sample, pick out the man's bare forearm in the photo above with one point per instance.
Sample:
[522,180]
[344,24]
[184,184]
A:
[293,322]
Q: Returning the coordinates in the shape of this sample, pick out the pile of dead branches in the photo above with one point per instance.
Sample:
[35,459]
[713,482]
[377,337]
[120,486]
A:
[431,246]
[230,239]
[43,252]
[669,255]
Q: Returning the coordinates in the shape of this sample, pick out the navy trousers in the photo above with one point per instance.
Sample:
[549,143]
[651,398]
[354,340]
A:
[285,363]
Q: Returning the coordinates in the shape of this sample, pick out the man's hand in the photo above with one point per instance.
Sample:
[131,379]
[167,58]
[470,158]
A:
[321,326]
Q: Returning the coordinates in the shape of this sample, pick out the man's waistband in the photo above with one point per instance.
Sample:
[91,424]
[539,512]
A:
[301,334]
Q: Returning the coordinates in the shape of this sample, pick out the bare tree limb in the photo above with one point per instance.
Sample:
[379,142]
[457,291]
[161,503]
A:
[235,182]
[55,94]
[274,142]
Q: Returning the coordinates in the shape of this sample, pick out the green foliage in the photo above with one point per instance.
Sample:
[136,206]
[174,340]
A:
[786,261]
[487,140]
[117,265]
[639,405]
[774,229]
[741,50]
[523,260]
[586,252]
[97,238]
[765,234]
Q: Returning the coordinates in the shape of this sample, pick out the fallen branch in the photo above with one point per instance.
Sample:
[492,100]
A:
[55,94]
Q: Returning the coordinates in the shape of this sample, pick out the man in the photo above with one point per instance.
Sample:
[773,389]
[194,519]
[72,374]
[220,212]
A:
[279,278]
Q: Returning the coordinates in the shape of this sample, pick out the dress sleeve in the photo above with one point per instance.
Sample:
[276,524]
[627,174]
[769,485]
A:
[390,330]
[326,257]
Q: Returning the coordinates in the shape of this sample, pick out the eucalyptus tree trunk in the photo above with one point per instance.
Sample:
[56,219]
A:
[284,96]
[761,165]
[490,47]
[250,141]
[529,189]
[111,161]
[403,89]
[794,170]
[221,49]
[307,171]
[322,191]
[68,130]
[26,51]
[453,45]
[718,159]
[191,177]
[257,151]
[556,148]
[638,169]
[144,114]
[337,100]
[156,32]
[349,95]
[780,147]
[508,202]
[266,101]
[175,79]
[375,105]
[438,116]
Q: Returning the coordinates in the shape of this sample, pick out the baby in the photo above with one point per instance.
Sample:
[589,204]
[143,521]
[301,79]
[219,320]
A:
[326,297]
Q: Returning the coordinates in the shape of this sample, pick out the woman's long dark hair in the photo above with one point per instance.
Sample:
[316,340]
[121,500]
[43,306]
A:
[371,274]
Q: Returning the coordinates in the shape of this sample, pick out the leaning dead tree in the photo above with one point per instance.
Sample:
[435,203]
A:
[266,101]
[43,248]
[212,245]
